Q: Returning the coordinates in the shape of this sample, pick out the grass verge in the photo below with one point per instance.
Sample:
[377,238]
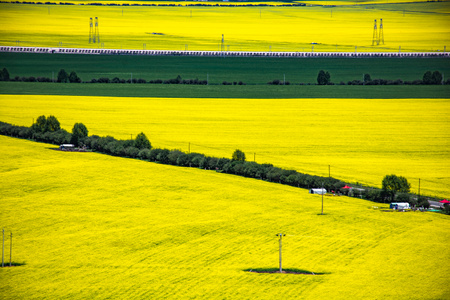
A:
[222,91]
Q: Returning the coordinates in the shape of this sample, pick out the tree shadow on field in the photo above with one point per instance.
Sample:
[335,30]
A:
[14,264]
[285,271]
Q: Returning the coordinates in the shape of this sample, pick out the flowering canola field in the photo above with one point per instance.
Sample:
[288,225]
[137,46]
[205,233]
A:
[87,225]
[362,140]
[412,27]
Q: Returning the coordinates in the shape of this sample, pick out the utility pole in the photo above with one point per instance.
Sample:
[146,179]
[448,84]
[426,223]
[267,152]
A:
[280,242]
[329,170]
[189,147]
[3,249]
[222,45]
[419,187]
[322,198]
[254,157]
[10,252]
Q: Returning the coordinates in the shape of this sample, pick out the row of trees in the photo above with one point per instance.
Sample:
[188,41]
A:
[323,78]
[177,80]
[429,78]
[47,129]
[64,77]
[233,83]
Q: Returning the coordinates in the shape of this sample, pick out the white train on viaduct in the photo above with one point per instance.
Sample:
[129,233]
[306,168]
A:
[215,53]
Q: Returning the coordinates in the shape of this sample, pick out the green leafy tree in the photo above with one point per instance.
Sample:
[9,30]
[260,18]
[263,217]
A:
[392,184]
[79,132]
[427,78]
[447,209]
[423,202]
[436,77]
[238,155]
[367,78]
[62,76]
[52,124]
[40,125]
[4,75]
[323,77]
[73,77]
[142,142]
[46,124]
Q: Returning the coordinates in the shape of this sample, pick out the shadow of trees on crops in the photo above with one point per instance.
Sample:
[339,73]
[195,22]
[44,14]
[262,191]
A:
[285,271]
[14,264]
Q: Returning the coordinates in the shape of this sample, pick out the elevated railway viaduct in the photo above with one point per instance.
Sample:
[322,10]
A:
[215,53]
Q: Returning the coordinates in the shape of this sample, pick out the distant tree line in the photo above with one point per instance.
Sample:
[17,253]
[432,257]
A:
[429,78]
[323,78]
[177,80]
[64,77]
[48,130]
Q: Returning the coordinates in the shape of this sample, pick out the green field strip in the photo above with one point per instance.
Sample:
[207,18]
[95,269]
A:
[219,91]
[249,70]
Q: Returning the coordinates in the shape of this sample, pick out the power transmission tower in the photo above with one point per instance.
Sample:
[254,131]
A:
[381,36]
[222,46]
[96,32]
[91,31]
[375,33]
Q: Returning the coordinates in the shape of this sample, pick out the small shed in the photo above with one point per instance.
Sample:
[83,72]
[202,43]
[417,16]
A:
[399,205]
[67,147]
[318,191]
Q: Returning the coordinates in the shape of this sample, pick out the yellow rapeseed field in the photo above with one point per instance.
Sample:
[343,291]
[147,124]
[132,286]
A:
[413,27]
[87,226]
[361,139]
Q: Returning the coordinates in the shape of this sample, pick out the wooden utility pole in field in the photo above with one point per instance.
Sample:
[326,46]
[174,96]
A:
[322,198]
[3,249]
[280,242]
[10,252]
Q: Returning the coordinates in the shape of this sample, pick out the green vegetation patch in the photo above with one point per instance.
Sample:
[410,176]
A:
[250,70]
[225,91]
